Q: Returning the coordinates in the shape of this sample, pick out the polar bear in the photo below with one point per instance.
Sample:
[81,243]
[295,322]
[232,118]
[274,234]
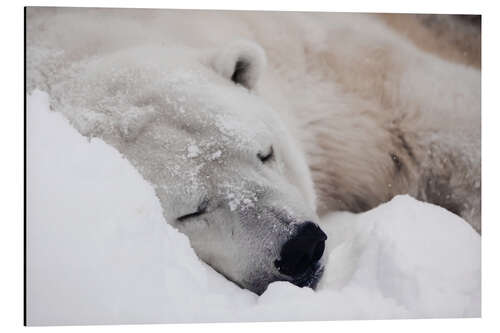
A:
[252,125]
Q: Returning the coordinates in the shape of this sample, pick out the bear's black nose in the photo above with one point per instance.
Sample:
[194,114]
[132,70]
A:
[302,251]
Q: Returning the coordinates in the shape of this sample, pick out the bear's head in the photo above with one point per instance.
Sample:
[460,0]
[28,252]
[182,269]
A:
[224,165]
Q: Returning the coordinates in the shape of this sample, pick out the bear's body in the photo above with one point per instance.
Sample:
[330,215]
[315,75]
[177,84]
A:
[348,112]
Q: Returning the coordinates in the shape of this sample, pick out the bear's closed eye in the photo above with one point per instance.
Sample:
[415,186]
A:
[202,209]
[266,157]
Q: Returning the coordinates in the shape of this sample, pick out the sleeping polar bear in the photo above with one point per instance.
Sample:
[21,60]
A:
[250,124]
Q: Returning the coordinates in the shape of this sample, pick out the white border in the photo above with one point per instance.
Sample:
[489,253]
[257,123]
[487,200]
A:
[421,6]
[11,245]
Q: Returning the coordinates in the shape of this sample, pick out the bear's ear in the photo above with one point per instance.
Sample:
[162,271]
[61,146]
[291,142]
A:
[242,62]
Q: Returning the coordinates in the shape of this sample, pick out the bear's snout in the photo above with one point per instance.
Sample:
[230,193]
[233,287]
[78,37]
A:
[300,254]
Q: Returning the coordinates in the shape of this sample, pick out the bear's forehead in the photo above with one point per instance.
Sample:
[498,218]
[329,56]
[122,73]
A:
[219,114]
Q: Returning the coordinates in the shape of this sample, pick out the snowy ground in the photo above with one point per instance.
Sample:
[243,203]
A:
[100,251]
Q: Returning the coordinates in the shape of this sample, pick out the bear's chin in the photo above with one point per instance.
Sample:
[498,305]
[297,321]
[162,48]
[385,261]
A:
[309,279]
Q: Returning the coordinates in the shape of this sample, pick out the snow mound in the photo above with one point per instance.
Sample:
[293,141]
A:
[423,257]
[100,252]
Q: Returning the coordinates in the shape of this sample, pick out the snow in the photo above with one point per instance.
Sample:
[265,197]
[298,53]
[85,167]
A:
[193,151]
[99,250]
